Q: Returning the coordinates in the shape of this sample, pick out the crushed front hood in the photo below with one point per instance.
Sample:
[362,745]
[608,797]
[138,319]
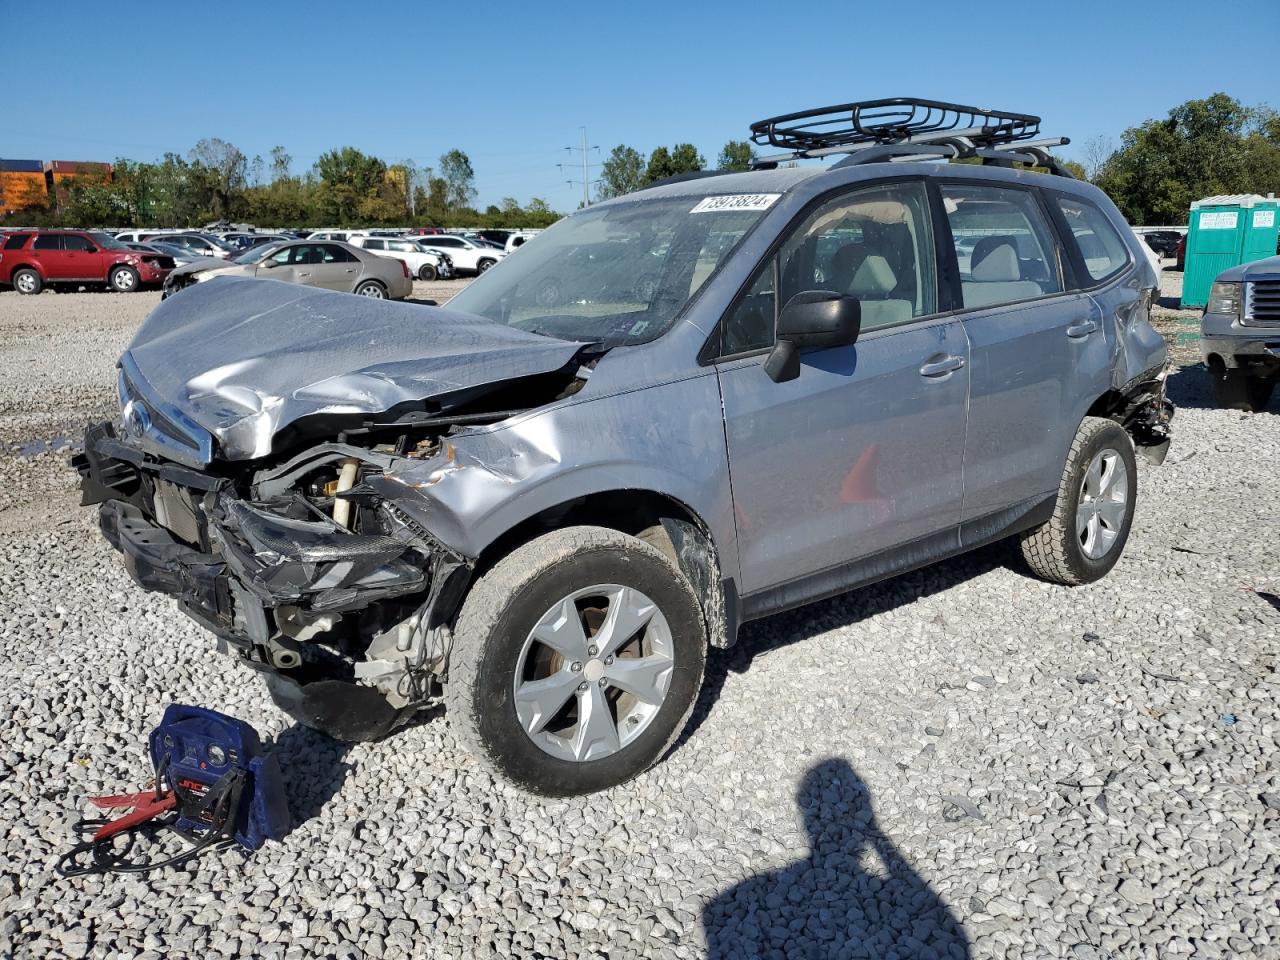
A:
[243,358]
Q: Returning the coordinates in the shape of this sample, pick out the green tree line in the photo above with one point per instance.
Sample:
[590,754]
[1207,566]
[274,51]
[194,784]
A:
[345,187]
[627,169]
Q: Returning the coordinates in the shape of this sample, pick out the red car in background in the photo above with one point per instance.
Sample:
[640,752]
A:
[32,260]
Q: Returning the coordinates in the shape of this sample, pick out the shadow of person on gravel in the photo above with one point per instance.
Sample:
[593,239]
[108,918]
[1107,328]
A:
[853,896]
[314,768]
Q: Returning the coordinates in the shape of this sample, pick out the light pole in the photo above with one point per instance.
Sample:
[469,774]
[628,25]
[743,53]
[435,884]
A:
[586,168]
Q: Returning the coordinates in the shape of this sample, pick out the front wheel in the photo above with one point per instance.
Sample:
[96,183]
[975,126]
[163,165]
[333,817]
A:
[1236,390]
[123,280]
[1084,538]
[371,288]
[427,272]
[484,265]
[576,661]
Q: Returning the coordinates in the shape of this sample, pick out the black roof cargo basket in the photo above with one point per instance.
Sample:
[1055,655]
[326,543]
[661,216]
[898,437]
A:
[907,128]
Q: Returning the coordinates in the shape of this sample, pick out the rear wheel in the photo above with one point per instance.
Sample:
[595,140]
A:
[1084,538]
[576,661]
[372,288]
[123,279]
[27,281]
[426,272]
[1236,390]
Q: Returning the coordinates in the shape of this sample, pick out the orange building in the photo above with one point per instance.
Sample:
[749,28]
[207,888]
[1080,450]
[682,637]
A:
[22,184]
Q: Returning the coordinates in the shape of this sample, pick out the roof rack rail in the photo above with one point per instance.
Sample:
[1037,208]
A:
[907,128]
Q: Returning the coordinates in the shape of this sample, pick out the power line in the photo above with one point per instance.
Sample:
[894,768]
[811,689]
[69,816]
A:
[586,180]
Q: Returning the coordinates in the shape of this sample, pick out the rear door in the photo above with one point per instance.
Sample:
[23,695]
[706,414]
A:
[837,470]
[1036,348]
[333,268]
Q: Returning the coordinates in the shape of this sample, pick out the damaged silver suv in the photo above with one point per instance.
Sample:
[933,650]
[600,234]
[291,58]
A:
[692,406]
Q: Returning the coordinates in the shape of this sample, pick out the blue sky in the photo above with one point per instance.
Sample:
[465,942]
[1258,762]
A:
[512,83]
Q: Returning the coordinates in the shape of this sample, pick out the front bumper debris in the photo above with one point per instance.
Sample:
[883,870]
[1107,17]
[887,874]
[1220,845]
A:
[266,585]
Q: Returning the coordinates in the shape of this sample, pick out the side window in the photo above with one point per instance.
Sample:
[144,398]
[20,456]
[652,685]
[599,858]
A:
[1004,247]
[47,241]
[1103,252]
[375,245]
[16,241]
[750,324]
[332,254]
[283,256]
[79,244]
[873,244]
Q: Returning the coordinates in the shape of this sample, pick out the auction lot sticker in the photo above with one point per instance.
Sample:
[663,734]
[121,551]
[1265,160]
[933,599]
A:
[736,201]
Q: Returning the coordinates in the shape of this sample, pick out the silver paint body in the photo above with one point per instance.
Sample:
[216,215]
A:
[1229,336]
[859,455]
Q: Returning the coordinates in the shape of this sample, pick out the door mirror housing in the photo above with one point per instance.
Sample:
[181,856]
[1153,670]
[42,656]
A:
[812,319]
[270,264]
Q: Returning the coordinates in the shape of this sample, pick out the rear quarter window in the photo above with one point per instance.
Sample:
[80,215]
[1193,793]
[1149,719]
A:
[1098,242]
[16,242]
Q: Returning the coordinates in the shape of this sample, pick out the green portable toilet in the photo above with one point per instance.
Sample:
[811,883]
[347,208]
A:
[1223,232]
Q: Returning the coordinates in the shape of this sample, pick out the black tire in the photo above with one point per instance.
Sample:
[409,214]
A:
[1054,550]
[426,273]
[371,288]
[484,265]
[124,280]
[498,616]
[1236,390]
[27,281]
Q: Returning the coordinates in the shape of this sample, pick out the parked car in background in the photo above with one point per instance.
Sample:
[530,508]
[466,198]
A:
[340,235]
[331,265]
[1239,333]
[519,239]
[1180,255]
[31,261]
[206,245]
[1163,242]
[423,263]
[181,255]
[467,255]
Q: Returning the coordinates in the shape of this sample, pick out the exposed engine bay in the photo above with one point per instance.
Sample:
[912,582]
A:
[315,563]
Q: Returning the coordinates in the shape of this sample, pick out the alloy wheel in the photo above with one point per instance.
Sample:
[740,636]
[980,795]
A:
[1103,503]
[593,672]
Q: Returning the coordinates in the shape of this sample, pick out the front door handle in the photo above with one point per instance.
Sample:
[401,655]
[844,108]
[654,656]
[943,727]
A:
[1078,331]
[940,368]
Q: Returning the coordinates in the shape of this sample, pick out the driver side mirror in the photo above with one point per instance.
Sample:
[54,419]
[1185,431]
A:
[270,264]
[811,319]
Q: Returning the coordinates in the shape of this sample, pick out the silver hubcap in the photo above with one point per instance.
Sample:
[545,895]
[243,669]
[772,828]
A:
[371,290]
[124,280]
[1104,501]
[593,672]
[26,283]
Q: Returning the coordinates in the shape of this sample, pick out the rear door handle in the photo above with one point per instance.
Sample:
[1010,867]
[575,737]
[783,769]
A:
[1078,331]
[940,368]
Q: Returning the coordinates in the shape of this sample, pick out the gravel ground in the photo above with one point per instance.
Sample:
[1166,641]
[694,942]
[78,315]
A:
[959,762]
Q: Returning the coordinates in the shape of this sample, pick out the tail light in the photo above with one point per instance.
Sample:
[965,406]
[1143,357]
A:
[405,267]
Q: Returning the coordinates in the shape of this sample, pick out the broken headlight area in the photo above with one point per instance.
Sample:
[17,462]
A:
[330,590]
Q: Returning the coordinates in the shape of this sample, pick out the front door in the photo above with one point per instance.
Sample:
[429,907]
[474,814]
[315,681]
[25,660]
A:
[862,452]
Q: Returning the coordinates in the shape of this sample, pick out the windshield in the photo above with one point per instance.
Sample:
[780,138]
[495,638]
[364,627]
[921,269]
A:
[618,274]
[107,242]
[260,252]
